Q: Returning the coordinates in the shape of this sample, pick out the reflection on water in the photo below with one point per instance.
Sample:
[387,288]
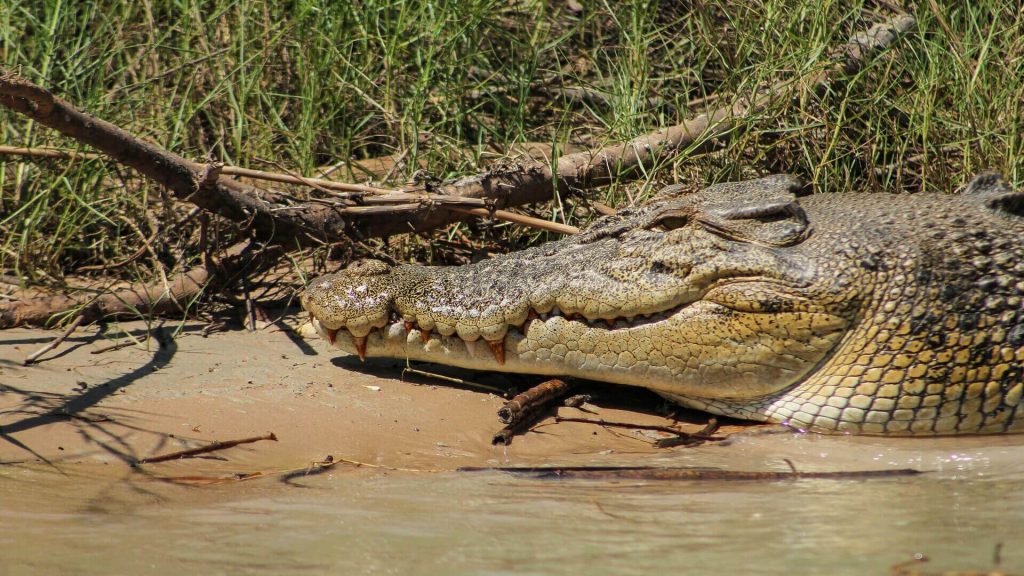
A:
[357,522]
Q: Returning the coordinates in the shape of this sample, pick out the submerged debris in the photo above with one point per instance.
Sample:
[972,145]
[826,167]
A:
[671,473]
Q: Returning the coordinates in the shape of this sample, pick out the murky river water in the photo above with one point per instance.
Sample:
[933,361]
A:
[371,522]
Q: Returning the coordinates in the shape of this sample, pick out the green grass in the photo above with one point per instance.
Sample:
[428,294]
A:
[297,85]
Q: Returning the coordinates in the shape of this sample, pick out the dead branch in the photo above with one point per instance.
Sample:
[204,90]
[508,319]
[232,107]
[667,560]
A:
[519,219]
[265,211]
[215,446]
[141,299]
[677,438]
[457,381]
[138,299]
[521,413]
[536,399]
[63,154]
[34,357]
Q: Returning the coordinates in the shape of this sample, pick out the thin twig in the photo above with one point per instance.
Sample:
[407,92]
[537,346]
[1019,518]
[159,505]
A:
[65,154]
[205,449]
[112,347]
[679,438]
[297,179]
[467,383]
[699,437]
[519,219]
[34,357]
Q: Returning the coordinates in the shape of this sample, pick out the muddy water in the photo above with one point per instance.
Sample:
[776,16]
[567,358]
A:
[96,520]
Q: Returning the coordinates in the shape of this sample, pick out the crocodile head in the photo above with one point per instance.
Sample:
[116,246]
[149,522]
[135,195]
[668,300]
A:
[704,295]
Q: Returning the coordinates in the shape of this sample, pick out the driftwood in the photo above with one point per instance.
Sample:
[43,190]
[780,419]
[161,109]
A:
[527,408]
[282,222]
[213,447]
[142,299]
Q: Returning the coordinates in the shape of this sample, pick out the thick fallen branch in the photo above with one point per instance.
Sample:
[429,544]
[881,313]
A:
[141,299]
[138,299]
[266,212]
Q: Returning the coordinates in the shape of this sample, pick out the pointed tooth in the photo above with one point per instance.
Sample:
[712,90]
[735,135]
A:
[498,349]
[360,342]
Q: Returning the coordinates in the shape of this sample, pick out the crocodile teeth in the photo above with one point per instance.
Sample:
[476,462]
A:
[360,342]
[498,349]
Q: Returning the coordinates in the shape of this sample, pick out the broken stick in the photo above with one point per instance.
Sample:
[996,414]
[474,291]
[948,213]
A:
[34,357]
[205,449]
[526,409]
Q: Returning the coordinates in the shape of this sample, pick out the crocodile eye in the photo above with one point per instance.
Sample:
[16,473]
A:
[670,219]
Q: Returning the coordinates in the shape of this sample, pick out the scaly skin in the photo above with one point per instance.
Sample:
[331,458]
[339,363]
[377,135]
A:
[861,313]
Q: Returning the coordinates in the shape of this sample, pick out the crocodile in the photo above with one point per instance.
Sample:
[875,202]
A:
[853,312]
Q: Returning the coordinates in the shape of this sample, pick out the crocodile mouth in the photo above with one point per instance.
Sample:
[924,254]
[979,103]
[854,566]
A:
[497,347]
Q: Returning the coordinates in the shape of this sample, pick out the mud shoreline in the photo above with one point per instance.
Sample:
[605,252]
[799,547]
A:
[178,390]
